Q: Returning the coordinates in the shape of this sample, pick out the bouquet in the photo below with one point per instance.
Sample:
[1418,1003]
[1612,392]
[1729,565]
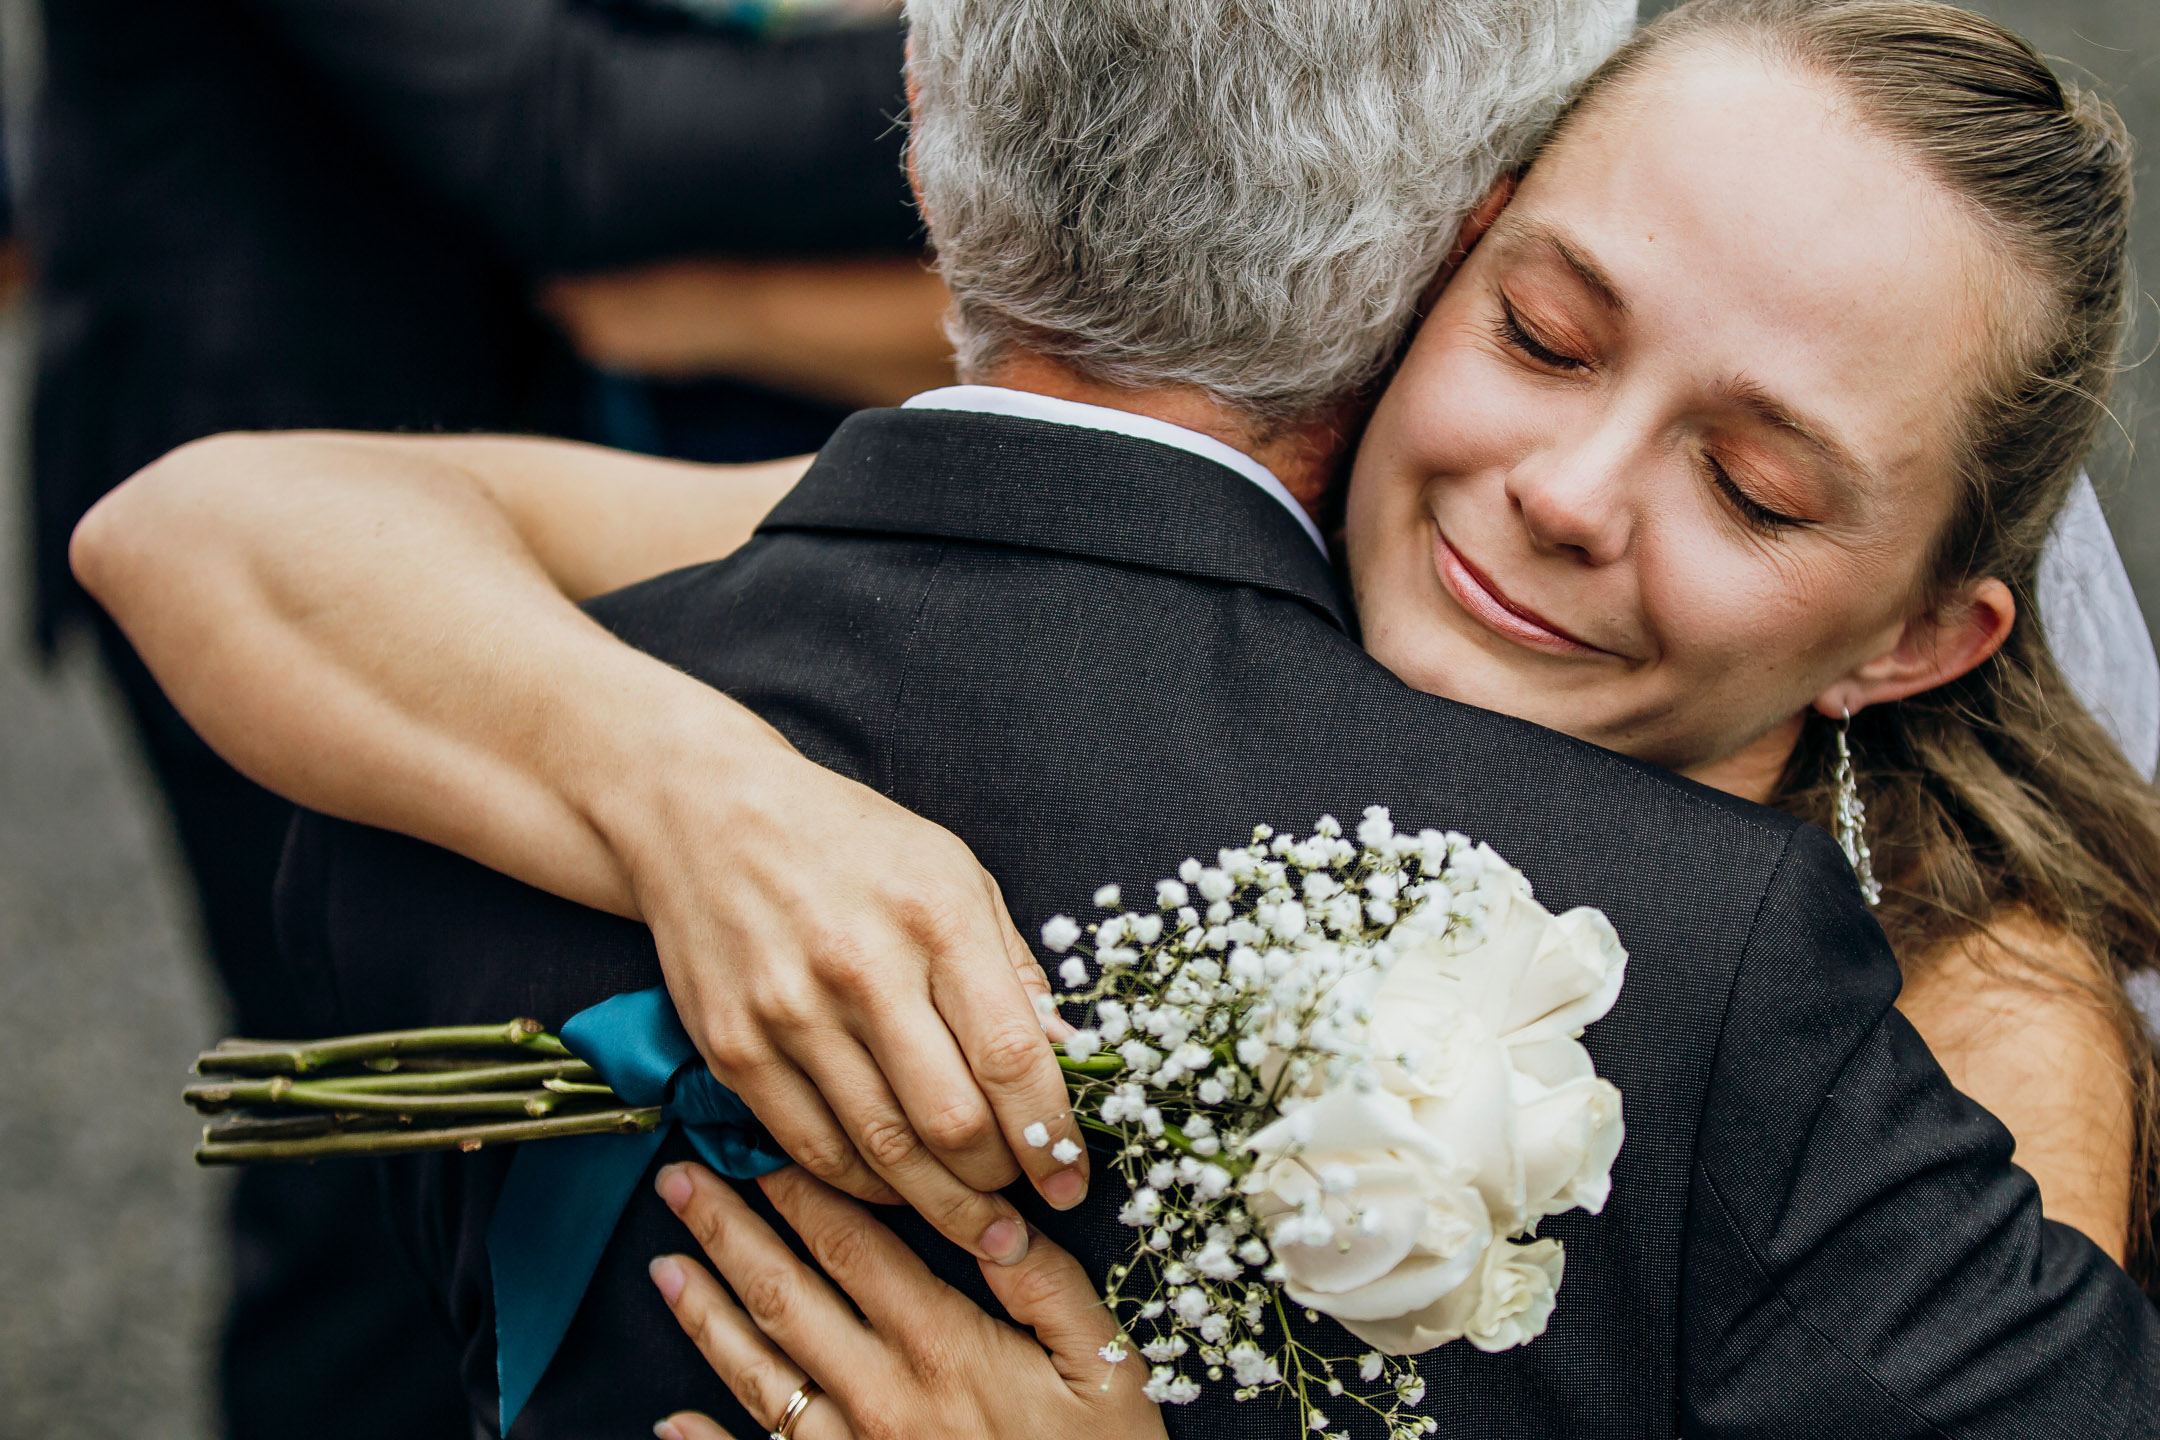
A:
[1339,1077]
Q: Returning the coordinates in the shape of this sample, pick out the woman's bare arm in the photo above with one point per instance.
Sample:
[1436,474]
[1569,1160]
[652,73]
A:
[382,628]
[385,629]
[2046,1058]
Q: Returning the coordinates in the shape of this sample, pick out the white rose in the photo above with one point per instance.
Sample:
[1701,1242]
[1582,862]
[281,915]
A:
[1394,1231]
[1528,974]
[1505,1303]
[1568,1128]
[1485,1035]
[1518,1284]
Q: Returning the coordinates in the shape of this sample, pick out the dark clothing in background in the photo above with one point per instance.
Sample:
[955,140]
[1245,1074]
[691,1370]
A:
[1091,656]
[267,214]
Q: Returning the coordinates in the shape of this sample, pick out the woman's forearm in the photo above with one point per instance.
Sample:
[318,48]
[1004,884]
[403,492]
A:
[2015,1021]
[384,629]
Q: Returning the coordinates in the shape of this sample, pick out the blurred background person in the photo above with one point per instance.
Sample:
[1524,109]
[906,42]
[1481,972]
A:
[267,214]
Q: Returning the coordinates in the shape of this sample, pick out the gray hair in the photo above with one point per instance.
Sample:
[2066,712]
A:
[1247,196]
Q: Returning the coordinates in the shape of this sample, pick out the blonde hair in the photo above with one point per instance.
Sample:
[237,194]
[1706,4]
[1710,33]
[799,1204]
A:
[1996,796]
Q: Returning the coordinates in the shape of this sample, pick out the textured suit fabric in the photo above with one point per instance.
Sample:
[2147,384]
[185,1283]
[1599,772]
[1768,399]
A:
[1091,656]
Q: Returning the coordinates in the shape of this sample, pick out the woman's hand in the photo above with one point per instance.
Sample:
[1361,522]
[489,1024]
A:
[922,1360]
[849,969]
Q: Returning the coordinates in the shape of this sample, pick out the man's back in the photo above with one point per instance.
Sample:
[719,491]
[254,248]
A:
[1091,656]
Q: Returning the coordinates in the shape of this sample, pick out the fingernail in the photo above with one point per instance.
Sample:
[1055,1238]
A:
[673,1183]
[1006,1242]
[668,1276]
[665,1430]
[1065,1189]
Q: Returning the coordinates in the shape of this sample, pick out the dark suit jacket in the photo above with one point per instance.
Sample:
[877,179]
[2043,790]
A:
[1091,656]
[277,214]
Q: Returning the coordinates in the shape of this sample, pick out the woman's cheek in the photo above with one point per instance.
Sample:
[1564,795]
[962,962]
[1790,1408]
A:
[1740,630]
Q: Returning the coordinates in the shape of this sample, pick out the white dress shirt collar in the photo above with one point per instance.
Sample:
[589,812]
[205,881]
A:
[1028,405]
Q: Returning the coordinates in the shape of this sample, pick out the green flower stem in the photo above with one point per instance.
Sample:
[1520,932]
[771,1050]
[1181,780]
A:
[280,1091]
[462,1079]
[1095,1067]
[405,1142]
[257,1057]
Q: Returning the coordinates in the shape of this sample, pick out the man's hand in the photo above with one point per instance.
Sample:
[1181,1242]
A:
[849,969]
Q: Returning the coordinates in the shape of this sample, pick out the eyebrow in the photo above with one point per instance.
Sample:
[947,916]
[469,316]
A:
[1742,393]
[1760,403]
[1585,269]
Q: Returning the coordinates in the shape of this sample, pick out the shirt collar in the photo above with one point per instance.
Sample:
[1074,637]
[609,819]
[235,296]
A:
[1028,405]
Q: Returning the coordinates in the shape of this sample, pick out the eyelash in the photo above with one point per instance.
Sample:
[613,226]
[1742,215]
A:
[1516,336]
[1753,513]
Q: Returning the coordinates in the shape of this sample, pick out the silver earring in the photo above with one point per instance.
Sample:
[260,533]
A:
[1852,818]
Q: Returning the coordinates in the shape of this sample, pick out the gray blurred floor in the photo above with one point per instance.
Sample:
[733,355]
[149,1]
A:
[108,1259]
[109,1265]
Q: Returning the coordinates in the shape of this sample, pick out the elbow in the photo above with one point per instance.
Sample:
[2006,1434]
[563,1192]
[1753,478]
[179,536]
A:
[147,520]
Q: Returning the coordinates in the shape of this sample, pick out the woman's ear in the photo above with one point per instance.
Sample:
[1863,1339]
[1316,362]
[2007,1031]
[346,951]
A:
[1473,230]
[1932,650]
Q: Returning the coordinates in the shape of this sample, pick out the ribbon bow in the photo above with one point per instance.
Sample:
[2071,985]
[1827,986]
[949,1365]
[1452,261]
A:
[562,1199]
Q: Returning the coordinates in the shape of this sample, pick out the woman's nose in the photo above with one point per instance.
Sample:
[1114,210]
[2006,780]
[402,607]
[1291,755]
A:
[1573,504]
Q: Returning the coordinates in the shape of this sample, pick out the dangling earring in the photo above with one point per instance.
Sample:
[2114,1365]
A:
[1852,818]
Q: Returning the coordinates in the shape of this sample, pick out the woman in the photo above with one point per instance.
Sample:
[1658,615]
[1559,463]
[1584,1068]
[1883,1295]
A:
[1568,506]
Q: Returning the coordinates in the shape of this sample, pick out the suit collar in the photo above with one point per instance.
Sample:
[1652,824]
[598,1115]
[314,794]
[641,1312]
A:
[1030,484]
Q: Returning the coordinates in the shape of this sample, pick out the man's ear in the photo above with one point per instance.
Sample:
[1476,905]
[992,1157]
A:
[1473,230]
[907,153]
[1933,650]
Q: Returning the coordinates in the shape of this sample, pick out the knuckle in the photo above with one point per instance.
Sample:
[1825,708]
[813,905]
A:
[1008,1055]
[842,960]
[707,1223]
[825,1155]
[736,1056]
[936,1363]
[790,1004]
[768,1387]
[940,922]
[888,1141]
[769,1296]
[961,1126]
[847,1250]
[1035,1287]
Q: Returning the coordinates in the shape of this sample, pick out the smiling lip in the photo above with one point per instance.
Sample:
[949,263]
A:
[1483,599]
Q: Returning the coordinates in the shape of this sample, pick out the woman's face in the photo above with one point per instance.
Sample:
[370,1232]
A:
[1663,466]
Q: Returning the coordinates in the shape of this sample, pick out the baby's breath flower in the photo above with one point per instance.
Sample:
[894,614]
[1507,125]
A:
[1238,1003]
[1037,1135]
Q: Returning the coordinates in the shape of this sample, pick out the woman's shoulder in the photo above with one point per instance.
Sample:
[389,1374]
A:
[2027,1019]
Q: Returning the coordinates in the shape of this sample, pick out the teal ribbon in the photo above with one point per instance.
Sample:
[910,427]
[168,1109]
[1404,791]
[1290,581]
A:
[562,1198]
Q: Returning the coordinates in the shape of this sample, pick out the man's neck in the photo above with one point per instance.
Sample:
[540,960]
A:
[1306,457]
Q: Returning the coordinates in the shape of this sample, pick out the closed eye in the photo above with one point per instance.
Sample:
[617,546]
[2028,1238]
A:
[1752,512]
[1514,334]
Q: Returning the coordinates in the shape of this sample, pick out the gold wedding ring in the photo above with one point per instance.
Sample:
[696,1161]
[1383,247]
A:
[792,1415]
